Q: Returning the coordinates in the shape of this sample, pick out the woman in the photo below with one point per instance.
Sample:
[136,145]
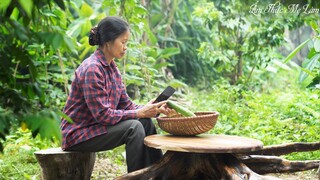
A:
[103,115]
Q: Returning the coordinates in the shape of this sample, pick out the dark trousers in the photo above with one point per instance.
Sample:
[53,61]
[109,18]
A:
[132,134]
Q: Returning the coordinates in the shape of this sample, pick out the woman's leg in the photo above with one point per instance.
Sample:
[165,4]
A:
[151,155]
[131,133]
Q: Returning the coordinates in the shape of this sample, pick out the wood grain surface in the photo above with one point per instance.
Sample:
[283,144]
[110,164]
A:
[204,143]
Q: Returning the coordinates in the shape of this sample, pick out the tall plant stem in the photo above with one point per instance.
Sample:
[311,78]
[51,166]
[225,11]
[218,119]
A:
[65,79]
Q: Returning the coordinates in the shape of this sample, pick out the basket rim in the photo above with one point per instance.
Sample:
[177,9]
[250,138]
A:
[204,114]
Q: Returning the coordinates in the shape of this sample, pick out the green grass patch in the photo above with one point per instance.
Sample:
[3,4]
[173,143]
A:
[17,162]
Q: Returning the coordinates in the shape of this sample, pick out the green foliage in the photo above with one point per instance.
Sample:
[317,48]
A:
[241,42]
[42,44]
[17,161]
[277,115]
[174,26]
[310,70]
[32,73]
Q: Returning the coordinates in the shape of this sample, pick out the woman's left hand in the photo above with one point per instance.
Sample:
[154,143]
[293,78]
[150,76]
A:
[165,109]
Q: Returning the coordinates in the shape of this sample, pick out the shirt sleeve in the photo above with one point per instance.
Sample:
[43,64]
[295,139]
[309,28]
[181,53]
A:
[99,101]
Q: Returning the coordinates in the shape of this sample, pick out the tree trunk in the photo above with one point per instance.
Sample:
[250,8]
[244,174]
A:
[65,165]
[182,165]
[274,164]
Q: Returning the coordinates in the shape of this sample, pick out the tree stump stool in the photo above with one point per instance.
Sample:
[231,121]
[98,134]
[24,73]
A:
[65,165]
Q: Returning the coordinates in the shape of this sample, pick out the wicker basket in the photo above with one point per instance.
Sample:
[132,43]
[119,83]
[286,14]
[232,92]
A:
[201,123]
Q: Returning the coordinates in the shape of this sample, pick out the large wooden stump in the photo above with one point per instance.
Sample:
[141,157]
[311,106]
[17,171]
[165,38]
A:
[199,157]
[182,165]
[65,165]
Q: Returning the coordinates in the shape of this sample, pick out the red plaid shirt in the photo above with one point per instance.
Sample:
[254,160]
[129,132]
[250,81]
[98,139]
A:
[97,98]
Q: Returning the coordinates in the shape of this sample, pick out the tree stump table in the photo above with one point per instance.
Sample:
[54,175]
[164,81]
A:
[57,164]
[199,157]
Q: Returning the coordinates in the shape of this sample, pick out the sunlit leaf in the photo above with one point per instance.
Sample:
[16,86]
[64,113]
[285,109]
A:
[4,4]
[316,44]
[177,84]
[281,65]
[295,51]
[168,52]
[63,115]
[133,67]
[69,44]
[86,10]
[314,26]
[309,66]
[57,41]
[162,64]
[75,27]
[27,5]
[151,36]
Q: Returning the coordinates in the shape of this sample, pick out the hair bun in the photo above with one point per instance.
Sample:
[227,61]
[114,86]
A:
[94,36]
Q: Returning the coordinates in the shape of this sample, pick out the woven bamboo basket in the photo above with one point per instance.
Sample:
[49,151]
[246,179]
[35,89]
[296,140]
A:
[188,126]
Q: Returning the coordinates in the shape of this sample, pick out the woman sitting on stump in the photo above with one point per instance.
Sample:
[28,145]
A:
[103,115]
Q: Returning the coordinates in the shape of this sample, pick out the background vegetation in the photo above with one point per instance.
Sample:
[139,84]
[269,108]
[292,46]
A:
[218,54]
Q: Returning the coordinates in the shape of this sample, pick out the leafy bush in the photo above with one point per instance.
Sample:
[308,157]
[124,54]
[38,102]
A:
[43,43]
[279,114]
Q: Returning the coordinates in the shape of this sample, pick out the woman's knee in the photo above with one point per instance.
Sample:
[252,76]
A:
[147,123]
[137,129]
[148,126]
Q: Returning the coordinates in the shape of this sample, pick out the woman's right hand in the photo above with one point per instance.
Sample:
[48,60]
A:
[150,109]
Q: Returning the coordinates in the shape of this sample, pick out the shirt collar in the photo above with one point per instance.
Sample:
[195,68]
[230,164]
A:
[100,56]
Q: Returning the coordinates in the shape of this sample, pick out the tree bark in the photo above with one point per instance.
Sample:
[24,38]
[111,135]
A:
[277,150]
[274,164]
[57,164]
[182,165]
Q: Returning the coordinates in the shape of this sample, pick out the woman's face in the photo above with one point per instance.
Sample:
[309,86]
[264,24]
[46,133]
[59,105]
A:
[117,48]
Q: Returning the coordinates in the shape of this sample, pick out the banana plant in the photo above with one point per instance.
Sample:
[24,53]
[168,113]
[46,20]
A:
[310,69]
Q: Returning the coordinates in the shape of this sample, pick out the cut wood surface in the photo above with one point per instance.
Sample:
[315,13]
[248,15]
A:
[204,143]
[288,148]
[63,165]
[274,164]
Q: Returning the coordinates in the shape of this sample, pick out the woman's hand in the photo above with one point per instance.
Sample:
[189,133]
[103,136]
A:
[151,110]
[165,109]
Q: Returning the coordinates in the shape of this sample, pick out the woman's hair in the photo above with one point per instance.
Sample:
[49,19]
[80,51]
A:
[107,30]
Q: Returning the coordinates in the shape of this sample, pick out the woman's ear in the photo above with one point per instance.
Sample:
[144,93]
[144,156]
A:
[106,46]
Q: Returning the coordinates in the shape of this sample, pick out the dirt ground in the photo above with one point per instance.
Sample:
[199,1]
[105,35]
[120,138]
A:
[104,169]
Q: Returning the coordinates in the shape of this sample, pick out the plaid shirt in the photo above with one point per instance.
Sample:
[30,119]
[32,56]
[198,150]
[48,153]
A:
[97,99]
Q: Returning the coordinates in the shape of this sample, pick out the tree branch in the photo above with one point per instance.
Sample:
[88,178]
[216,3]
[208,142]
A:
[274,164]
[283,149]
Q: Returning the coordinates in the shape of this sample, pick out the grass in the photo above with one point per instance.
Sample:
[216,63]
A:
[17,162]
